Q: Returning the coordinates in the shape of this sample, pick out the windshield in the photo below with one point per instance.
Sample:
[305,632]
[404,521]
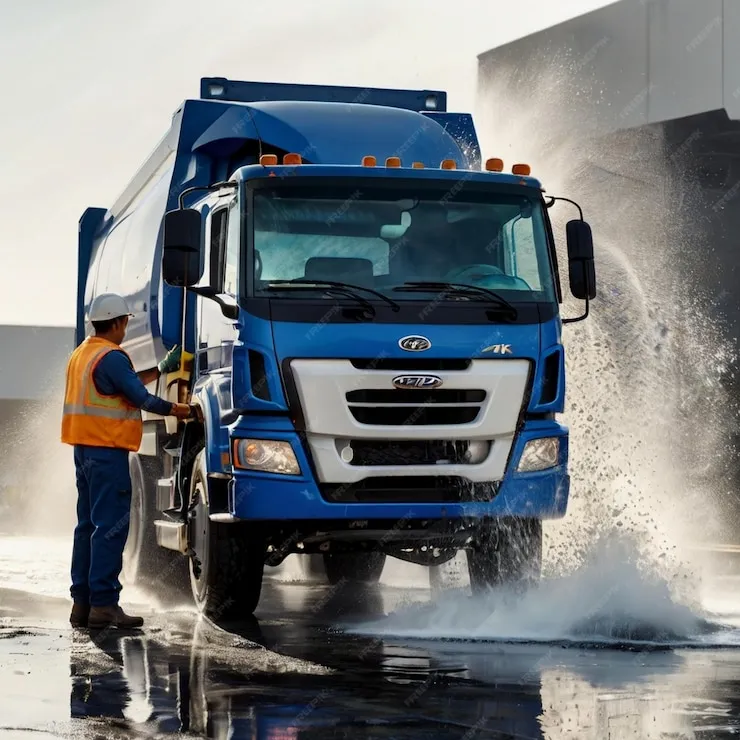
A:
[385,238]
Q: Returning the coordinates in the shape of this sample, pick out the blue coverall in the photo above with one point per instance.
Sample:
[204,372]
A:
[104,493]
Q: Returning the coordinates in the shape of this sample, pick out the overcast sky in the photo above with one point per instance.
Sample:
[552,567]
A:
[89,87]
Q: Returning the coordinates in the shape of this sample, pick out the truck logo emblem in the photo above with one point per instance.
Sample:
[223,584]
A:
[417,381]
[414,343]
[498,349]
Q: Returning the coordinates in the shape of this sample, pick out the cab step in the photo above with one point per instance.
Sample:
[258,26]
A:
[172,535]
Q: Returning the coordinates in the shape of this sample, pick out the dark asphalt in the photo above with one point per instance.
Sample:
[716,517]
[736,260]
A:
[295,672]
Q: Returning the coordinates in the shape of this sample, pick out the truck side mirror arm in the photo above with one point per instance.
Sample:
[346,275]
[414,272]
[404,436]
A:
[229,310]
[583,316]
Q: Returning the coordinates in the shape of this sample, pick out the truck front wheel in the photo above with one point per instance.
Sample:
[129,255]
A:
[358,567]
[506,552]
[228,560]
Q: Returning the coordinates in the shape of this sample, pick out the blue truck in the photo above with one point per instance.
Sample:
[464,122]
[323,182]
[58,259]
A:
[370,317]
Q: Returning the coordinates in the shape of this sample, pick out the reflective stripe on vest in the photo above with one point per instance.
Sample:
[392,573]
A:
[80,410]
[90,418]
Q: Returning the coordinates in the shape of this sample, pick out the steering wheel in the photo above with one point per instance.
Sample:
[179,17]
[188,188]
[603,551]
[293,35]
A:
[457,273]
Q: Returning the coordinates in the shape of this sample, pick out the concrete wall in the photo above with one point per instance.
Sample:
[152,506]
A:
[32,370]
[33,361]
[37,489]
[639,61]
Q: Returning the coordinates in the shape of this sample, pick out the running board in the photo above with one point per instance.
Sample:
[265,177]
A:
[172,535]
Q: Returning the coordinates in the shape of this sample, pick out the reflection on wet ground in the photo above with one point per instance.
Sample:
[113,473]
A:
[292,674]
[313,682]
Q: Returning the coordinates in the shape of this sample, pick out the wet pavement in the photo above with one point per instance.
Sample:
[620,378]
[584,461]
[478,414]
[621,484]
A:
[300,670]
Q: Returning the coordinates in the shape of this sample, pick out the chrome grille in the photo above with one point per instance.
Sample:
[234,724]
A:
[414,407]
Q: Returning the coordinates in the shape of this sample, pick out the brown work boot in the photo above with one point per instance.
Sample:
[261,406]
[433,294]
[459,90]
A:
[112,616]
[78,616]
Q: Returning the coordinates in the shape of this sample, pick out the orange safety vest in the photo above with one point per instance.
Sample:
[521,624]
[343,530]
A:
[90,418]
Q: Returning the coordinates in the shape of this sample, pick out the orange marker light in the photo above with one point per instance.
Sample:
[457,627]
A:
[448,164]
[292,159]
[521,169]
[369,161]
[418,165]
[494,164]
[393,162]
[268,160]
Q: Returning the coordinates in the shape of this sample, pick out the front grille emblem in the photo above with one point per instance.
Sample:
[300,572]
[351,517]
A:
[414,343]
[417,381]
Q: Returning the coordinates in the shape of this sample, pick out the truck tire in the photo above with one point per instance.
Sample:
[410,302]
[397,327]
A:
[145,563]
[140,555]
[228,561]
[358,567]
[133,562]
[507,552]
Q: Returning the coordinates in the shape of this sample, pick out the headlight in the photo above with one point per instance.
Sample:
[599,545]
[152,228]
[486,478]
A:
[268,455]
[539,454]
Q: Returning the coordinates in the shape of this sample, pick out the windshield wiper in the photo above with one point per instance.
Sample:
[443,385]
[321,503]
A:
[460,289]
[348,288]
[330,290]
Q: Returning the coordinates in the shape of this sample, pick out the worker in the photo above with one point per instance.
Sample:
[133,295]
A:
[102,420]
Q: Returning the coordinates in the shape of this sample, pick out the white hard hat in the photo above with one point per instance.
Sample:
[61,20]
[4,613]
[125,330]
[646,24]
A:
[108,306]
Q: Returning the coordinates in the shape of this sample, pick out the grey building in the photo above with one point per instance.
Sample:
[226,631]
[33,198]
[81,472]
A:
[32,367]
[36,470]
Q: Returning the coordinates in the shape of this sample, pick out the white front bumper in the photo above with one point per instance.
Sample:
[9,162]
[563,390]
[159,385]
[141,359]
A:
[322,387]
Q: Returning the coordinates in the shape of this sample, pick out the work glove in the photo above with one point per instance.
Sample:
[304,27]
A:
[186,411]
[171,362]
[181,410]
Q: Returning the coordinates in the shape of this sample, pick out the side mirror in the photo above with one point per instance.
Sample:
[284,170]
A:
[581,265]
[181,261]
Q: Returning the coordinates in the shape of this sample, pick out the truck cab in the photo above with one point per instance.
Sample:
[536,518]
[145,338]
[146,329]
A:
[371,319]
